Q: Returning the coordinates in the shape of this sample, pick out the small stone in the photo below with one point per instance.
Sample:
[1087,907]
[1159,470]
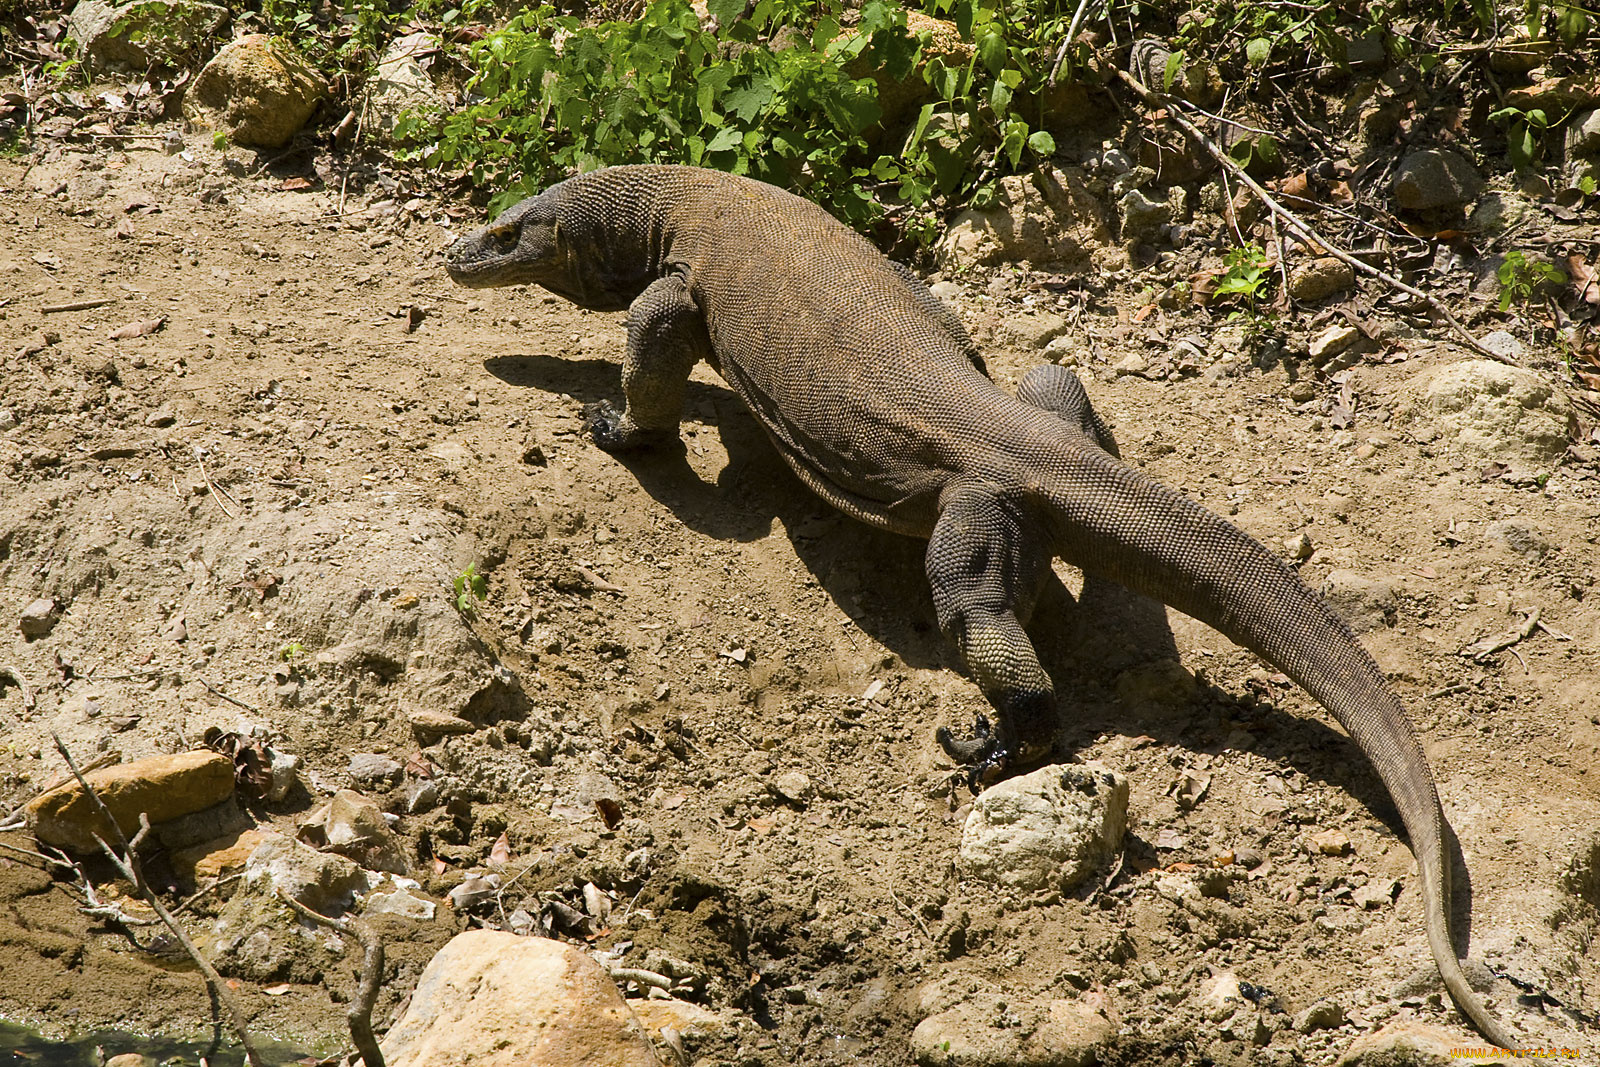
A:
[474,890]
[1134,364]
[1142,216]
[159,418]
[533,452]
[794,787]
[120,35]
[1323,1015]
[1163,682]
[1220,996]
[285,768]
[949,292]
[1045,830]
[493,999]
[1367,604]
[399,901]
[8,419]
[1518,536]
[322,881]
[1036,330]
[1504,344]
[1436,178]
[374,768]
[218,858]
[689,1020]
[1320,279]
[1376,894]
[1331,342]
[1299,546]
[1408,1043]
[162,787]
[430,724]
[354,827]
[1332,843]
[38,618]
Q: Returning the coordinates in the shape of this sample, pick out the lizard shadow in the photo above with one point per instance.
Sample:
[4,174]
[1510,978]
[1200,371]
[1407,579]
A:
[1085,641]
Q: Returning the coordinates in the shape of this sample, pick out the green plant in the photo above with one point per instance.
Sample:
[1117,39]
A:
[1247,272]
[291,652]
[1520,278]
[1525,132]
[470,587]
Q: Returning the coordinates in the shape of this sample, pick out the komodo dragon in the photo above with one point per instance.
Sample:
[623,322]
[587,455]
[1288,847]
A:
[871,391]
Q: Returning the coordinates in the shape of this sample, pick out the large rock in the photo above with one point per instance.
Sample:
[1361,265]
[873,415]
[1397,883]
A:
[256,90]
[162,787]
[494,999]
[355,828]
[1045,830]
[136,34]
[1058,1033]
[401,84]
[1486,412]
[1407,1043]
[1436,178]
[1367,604]
[323,882]
[1048,216]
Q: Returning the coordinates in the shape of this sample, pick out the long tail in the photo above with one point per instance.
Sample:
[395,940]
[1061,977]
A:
[1119,524]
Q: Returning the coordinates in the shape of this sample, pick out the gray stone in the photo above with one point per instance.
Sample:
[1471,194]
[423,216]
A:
[374,768]
[1583,134]
[494,999]
[1143,217]
[1436,178]
[794,787]
[949,292]
[1323,1015]
[401,84]
[1045,830]
[1056,1033]
[256,90]
[1496,212]
[168,30]
[321,881]
[1320,279]
[1505,344]
[353,826]
[1518,536]
[401,901]
[38,618]
[1486,412]
[1365,603]
[1036,330]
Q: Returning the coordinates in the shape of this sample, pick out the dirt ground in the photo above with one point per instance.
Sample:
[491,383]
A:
[325,431]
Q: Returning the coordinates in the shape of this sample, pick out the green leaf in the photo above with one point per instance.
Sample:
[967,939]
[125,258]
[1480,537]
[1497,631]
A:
[1258,51]
[1016,135]
[726,138]
[726,12]
[1571,24]
[1042,143]
[992,51]
[748,102]
[999,97]
[1170,75]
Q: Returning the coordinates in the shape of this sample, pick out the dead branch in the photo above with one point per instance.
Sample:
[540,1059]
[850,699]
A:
[1482,650]
[21,683]
[359,1014]
[127,864]
[1304,233]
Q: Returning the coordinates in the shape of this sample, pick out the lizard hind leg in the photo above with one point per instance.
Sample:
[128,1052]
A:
[1057,389]
[666,338]
[986,571]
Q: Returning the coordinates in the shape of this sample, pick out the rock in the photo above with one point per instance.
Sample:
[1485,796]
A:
[1365,603]
[794,787]
[321,881]
[353,826]
[256,91]
[494,999]
[1487,412]
[38,618]
[1436,178]
[1583,134]
[1045,217]
[689,1020]
[285,769]
[1299,546]
[1504,344]
[949,292]
[1332,843]
[1497,212]
[401,901]
[128,1059]
[1220,996]
[1131,364]
[1045,830]
[475,889]
[1320,279]
[401,84]
[1376,894]
[1518,536]
[1161,681]
[135,35]
[1036,330]
[1058,1033]
[217,858]
[1323,1015]
[163,787]
[1331,342]
[1408,1043]
[1142,217]
[374,768]
[430,724]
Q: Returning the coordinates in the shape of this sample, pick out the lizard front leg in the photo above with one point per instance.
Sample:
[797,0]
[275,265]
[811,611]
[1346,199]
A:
[985,580]
[1057,389]
[666,338]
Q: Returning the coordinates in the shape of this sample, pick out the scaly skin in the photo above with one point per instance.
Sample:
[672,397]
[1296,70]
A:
[875,396]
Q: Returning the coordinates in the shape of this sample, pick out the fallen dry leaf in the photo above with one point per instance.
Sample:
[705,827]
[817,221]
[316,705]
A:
[500,854]
[138,328]
[1584,280]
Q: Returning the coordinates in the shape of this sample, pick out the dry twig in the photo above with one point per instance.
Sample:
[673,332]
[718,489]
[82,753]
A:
[1304,233]
[127,864]
[359,1014]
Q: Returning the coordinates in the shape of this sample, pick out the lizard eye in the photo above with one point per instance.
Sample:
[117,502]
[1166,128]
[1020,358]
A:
[504,237]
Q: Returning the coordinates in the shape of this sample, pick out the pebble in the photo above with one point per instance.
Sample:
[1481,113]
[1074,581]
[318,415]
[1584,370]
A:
[1435,178]
[1332,843]
[38,618]
[794,787]
[1299,546]
[1045,830]
[1323,1015]
[1331,342]
[1367,604]
[1320,279]
[1518,536]
[374,768]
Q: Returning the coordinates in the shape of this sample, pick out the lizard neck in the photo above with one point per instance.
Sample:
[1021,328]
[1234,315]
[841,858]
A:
[615,235]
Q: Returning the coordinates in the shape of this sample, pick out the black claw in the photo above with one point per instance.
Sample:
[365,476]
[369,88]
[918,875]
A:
[985,755]
[604,423]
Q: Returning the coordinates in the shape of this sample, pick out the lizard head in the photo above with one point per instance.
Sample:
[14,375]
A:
[524,246]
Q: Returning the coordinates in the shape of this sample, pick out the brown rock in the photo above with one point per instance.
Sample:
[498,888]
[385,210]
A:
[1058,1033]
[1411,1044]
[163,787]
[354,827]
[494,999]
[38,618]
[1320,279]
[1332,842]
[256,91]
[430,724]
[217,858]
[688,1019]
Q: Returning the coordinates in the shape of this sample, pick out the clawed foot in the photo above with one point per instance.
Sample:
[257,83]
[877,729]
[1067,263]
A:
[984,754]
[614,432]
